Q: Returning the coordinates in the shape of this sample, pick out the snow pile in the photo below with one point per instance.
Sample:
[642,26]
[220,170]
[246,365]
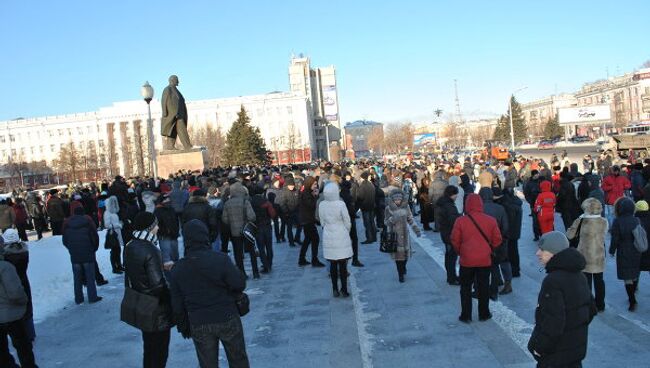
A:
[50,275]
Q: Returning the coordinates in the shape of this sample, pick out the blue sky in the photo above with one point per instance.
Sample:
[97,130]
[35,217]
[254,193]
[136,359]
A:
[395,60]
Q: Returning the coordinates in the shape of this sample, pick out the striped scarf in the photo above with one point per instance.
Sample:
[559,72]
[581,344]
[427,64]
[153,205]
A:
[147,236]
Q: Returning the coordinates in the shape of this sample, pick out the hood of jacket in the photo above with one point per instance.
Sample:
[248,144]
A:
[196,236]
[454,180]
[197,199]
[464,179]
[486,194]
[439,175]
[474,203]
[567,260]
[394,194]
[624,207]
[112,205]
[592,206]
[77,222]
[545,186]
[237,190]
[331,192]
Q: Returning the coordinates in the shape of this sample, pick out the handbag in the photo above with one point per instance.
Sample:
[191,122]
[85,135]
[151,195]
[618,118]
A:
[388,241]
[249,231]
[492,255]
[143,311]
[243,304]
[111,241]
[640,239]
[573,242]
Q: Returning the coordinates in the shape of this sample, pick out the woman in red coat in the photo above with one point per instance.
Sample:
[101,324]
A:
[545,207]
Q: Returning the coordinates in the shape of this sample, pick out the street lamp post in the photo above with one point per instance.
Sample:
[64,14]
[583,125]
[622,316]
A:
[512,130]
[147,93]
[327,139]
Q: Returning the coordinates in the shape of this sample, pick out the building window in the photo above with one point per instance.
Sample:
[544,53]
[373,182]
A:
[13,152]
[80,131]
[101,143]
[12,138]
[52,148]
[40,148]
[60,132]
[2,139]
[289,110]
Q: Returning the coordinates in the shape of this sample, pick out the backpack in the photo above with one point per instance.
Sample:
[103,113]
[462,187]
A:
[640,239]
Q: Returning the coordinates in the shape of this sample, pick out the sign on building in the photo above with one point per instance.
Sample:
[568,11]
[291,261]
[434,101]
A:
[594,114]
[427,138]
[330,105]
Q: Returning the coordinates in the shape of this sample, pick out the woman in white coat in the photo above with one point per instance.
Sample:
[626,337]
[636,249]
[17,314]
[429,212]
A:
[337,246]
[112,223]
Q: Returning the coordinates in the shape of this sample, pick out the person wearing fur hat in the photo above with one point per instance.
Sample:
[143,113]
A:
[591,229]
[14,308]
[564,307]
[398,218]
[628,258]
[144,274]
[287,201]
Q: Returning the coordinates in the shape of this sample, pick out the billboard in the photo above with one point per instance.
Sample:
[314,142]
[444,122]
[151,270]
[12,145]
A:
[584,114]
[330,103]
[427,138]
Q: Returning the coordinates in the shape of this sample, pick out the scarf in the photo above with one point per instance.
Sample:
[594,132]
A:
[146,236]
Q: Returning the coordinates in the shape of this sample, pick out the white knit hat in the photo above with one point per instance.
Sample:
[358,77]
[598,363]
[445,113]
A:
[11,236]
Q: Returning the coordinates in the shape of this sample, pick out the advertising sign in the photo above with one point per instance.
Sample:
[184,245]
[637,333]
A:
[584,114]
[427,138]
[330,105]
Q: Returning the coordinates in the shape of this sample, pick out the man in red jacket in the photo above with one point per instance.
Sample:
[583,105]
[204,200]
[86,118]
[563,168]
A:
[614,185]
[545,207]
[474,237]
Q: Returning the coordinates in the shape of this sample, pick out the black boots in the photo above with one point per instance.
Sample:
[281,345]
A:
[631,288]
[401,270]
[339,270]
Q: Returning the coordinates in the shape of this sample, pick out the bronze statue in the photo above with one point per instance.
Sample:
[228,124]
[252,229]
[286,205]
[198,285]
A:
[174,117]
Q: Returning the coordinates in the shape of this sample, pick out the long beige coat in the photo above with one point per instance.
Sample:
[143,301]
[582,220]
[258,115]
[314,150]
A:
[592,235]
[398,219]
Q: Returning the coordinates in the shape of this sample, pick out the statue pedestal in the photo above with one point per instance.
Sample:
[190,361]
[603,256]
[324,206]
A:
[170,162]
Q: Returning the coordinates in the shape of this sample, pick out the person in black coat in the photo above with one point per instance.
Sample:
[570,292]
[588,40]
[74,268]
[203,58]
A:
[199,208]
[81,239]
[167,233]
[203,288]
[531,191]
[500,263]
[512,204]
[628,259]
[144,274]
[307,219]
[567,201]
[446,214]
[264,215]
[366,203]
[565,306]
[643,214]
[348,195]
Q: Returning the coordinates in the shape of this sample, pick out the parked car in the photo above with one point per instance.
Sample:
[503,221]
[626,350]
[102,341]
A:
[545,145]
[580,139]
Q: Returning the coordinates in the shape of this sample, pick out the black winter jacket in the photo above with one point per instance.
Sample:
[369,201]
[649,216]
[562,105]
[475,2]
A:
[81,239]
[446,214]
[167,222]
[204,282]
[644,218]
[143,265]
[564,310]
[366,196]
[199,208]
[307,207]
[499,213]
[628,259]
[512,205]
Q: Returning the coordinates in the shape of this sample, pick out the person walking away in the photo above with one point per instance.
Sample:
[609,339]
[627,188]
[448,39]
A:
[500,264]
[204,285]
[349,196]
[16,252]
[545,207]
[7,215]
[531,191]
[199,208]
[614,185]
[37,213]
[447,213]
[288,202]
[567,201]
[237,211]
[398,218]
[14,302]
[81,239]
[112,223]
[337,246]
[474,237]
[54,208]
[366,203]
[144,274]
[179,198]
[307,219]
[637,182]
[591,229]
[21,218]
[168,232]
[628,258]
[512,204]
[564,306]
[264,215]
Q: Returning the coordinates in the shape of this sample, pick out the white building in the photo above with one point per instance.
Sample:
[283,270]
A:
[117,135]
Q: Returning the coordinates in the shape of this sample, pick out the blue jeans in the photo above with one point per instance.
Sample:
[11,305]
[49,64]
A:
[609,214]
[230,334]
[264,241]
[369,225]
[168,249]
[79,270]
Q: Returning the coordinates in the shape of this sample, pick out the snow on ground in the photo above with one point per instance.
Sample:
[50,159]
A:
[50,275]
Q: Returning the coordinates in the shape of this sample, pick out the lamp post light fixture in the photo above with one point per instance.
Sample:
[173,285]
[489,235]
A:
[147,93]
[512,130]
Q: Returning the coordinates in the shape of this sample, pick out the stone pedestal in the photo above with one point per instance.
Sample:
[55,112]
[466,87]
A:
[170,162]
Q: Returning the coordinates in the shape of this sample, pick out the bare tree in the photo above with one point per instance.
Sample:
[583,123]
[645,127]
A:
[398,136]
[455,134]
[69,161]
[376,139]
[293,141]
[213,140]
[646,64]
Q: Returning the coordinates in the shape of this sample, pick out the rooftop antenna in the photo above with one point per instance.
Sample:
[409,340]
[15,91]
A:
[458,115]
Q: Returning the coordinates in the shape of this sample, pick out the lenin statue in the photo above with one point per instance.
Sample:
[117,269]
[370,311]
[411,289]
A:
[174,117]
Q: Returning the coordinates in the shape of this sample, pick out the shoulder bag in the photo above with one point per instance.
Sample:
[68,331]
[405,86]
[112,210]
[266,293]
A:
[249,231]
[573,242]
[111,241]
[388,241]
[640,239]
[142,311]
[492,255]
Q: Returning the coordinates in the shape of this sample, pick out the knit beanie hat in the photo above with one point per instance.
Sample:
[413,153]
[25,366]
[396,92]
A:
[641,206]
[289,181]
[553,242]
[10,236]
[144,221]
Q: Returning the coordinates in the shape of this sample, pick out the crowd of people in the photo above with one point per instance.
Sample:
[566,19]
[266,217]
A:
[476,207]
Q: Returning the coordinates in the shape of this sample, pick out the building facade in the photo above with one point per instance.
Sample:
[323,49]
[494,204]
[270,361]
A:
[537,113]
[359,137]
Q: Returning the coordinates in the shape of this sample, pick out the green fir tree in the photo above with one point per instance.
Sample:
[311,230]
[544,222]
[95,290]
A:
[502,131]
[553,128]
[244,143]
